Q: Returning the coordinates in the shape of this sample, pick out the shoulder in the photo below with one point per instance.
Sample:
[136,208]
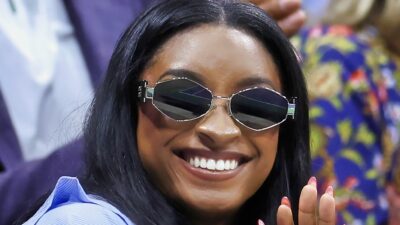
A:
[340,37]
[69,204]
[338,46]
[81,213]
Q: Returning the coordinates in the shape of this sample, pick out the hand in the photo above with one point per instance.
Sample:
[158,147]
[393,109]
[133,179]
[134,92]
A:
[308,207]
[394,205]
[287,13]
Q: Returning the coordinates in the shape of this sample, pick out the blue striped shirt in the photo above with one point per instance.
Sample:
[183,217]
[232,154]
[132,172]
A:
[69,204]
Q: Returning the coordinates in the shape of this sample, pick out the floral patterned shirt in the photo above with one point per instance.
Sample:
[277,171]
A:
[354,90]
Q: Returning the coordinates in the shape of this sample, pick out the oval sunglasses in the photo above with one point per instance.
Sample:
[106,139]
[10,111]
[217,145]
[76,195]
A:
[182,99]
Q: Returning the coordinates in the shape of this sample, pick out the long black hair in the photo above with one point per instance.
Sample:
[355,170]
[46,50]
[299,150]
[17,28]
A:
[114,167]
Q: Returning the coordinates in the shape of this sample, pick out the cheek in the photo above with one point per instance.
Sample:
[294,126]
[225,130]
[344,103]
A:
[154,132]
[267,145]
[152,136]
[154,129]
[148,135]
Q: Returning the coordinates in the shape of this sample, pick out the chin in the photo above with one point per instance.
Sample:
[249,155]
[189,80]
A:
[211,204]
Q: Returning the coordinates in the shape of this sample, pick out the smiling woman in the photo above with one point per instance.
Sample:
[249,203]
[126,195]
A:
[196,123]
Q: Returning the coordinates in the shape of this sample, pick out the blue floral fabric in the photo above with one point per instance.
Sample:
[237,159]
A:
[354,95]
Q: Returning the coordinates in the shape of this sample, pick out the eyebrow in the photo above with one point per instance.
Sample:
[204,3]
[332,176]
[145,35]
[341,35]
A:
[254,80]
[183,73]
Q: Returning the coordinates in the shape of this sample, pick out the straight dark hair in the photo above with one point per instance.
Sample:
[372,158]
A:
[115,171]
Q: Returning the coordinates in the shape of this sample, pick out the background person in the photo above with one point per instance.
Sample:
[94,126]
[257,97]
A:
[352,73]
[53,55]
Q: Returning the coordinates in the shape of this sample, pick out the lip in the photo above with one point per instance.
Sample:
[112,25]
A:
[207,174]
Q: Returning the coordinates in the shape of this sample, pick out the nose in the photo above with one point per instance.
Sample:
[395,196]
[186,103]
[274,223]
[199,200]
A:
[217,129]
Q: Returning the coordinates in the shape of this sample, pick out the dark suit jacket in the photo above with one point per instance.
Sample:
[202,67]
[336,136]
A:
[98,25]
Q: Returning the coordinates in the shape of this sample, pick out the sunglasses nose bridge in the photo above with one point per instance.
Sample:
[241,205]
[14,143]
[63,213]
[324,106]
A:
[220,101]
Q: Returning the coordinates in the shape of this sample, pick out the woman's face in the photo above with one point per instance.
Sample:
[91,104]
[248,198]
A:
[225,60]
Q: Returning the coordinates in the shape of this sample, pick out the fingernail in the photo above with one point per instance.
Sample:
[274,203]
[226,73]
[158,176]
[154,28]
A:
[329,190]
[285,201]
[260,222]
[313,181]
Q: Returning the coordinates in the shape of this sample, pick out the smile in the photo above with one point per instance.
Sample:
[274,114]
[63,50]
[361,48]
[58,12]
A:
[212,165]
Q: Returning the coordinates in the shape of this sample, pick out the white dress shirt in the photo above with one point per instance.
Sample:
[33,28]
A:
[43,77]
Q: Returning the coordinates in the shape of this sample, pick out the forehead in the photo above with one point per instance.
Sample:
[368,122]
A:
[223,58]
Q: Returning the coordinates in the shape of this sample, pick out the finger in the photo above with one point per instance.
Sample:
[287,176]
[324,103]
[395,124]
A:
[393,196]
[327,208]
[293,23]
[278,9]
[260,222]
[308,203]
[284,215]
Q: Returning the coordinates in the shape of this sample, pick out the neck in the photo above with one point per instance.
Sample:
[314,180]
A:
[214,221]
[206,218]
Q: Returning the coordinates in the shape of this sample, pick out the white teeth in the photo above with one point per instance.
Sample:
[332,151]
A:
[212,164]
[233,164]
[227,165]
[196,162]
[220,165]
[203,163]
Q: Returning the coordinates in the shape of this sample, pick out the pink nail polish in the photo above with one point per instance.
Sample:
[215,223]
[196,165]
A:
[260,222]
[329,190]
[285,201]
[313,181]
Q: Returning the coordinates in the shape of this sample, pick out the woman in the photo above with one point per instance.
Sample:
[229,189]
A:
[191,126]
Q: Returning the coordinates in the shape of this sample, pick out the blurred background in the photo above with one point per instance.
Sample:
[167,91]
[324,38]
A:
[54,53]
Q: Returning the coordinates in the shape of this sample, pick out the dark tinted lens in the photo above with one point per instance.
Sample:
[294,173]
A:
[181,99]
[259,108]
